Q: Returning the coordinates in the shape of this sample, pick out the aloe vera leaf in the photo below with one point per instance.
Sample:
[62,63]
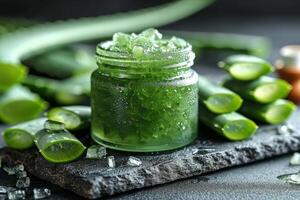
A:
[21,136]
[8,25]
[63,63]
[58,146]
[217,98]
[232,126]
[74,117]
[263,90]
[246,67]
[35,40]
[255,45]
[75,90]
[18,104]
[273,113]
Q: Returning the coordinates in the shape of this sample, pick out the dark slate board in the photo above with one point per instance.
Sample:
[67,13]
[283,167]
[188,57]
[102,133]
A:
[92,179]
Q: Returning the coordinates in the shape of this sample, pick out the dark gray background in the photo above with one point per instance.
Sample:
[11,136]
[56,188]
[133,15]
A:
[61,9]
[278,20]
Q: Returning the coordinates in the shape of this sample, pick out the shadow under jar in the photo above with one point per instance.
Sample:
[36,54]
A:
[147,104]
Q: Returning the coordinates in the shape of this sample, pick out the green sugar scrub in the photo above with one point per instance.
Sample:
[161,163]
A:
[144,93]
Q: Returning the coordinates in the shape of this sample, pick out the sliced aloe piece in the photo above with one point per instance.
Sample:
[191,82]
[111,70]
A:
[21,136]
[74,117]
[10,75]
[217,98]
[273,113]
[18,104]
[64,63]
[246,67]
[70,91]
[232,126]
[58,146]
[263,90]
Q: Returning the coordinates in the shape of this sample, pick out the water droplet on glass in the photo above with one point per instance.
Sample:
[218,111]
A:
[134,162]
[111,162]
[41,193]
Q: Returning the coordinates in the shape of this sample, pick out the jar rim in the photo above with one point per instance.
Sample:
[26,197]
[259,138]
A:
[104,56]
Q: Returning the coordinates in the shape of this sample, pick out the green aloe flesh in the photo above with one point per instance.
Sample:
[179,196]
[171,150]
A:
[74,117]
[263,90]
[63,63]
[255,45]
[273,113]
[11,75]
[26,43]
[21,136]
[71,91]
[217,98]
[18,104]
[232,126]
[58,146]
[246,67]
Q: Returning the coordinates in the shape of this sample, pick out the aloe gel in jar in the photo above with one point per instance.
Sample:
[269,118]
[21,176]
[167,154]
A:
[144,93]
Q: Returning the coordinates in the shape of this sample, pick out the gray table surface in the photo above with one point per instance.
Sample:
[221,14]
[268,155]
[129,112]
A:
[254,181]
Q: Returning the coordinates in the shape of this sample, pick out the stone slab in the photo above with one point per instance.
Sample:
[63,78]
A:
[93,179]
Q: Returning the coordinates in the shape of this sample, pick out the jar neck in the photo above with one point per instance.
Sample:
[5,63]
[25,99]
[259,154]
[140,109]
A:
[123,65]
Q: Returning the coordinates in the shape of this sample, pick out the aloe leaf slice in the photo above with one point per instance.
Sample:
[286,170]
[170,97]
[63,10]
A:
[232,126]
[21,136]
[74,117]
[246,67]
[217,98]
[273,113]
[263,90]
[18,104]
[58,146]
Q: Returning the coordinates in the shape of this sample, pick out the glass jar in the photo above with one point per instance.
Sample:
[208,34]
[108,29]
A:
[144,105]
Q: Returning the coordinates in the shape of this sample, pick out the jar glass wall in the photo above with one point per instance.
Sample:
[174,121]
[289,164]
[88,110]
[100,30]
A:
[144,105]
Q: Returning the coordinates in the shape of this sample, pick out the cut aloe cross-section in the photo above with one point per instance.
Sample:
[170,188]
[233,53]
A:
[246,67]
[58,146]
[21,136]
[18,104]
[232,126]
[74,117]
[217,98]
[273,113]
[263,90]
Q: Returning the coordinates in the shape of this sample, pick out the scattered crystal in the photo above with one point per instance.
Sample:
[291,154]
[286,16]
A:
[111,162]
[21,174]
[290,178]
[54,125]
[285,129]
[96,152]
[19,168]
[23,182]
[133,161]
[16,195]
[202,151]
[295,160]
[3,190]
[41,193]
[9,170]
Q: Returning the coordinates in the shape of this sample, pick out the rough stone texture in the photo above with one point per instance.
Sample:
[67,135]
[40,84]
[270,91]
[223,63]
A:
[92,178]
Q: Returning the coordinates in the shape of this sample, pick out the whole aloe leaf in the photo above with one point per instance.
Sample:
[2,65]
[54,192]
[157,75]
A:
[28,42]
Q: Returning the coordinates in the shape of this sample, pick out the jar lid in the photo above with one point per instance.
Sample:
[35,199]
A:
[290,56]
